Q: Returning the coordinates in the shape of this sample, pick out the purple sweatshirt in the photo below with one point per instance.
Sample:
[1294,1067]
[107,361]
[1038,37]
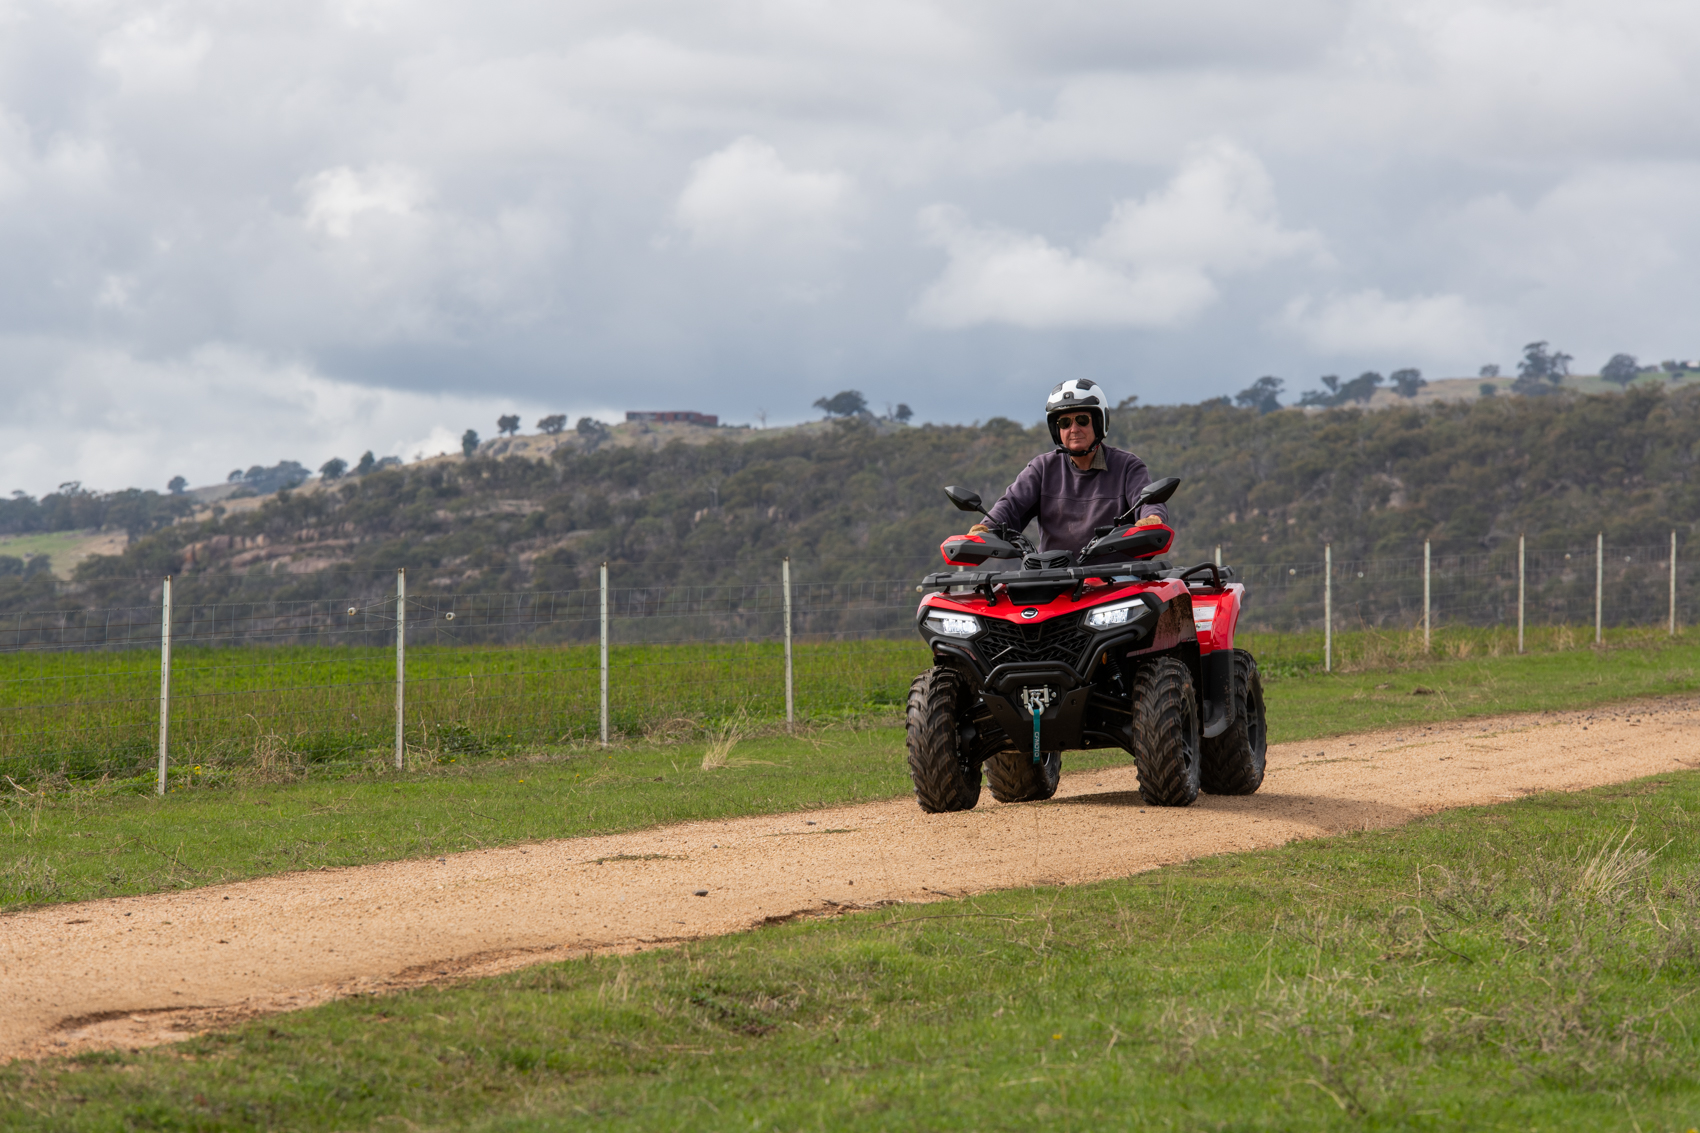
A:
[1070,503]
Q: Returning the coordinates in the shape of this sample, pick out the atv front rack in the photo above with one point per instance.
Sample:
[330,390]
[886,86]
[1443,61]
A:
[985,580]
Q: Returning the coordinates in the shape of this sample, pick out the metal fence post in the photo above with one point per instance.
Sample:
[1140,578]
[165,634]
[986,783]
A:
[164,677]
[400,667]
[1521,575]
[604,702]
[1328,607]
[790,695]
[1673,583]
[1428,628]
[1599,586]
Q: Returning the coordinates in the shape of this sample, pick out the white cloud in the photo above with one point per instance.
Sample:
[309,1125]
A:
[336,198]
[150,55]
[113,420]
[1217,215]
[744,195]
[997,276]
[1154,264]
[1368,322]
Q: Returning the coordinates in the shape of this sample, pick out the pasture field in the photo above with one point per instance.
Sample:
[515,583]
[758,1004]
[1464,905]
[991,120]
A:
[93,715]
[84,715]
[1524,966]
[263,806]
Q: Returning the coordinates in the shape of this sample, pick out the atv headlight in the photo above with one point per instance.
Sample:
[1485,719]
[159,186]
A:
[954,625]
[1109,617]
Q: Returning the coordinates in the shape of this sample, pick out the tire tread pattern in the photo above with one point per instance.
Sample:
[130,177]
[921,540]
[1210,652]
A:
[1015,778]
[942,781]
[1165,733]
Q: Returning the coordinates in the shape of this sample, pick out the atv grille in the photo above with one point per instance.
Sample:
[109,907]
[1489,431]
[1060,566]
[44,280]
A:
[1060,639]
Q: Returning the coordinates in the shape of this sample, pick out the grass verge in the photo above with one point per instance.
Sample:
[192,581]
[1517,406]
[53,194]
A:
[1525,966]
[1387,681]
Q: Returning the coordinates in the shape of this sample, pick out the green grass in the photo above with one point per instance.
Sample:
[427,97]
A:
[1385,680]
[271,808]
[1528,966]
[66,548]
[88,715]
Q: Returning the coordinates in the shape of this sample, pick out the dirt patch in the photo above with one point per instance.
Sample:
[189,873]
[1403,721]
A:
[145,970]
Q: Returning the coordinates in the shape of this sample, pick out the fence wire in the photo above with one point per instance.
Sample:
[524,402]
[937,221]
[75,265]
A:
[273,681]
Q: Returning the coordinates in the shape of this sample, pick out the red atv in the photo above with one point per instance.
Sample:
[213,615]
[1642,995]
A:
[1104,648]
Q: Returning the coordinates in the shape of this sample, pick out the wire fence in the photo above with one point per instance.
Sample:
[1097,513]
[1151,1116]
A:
[280,682]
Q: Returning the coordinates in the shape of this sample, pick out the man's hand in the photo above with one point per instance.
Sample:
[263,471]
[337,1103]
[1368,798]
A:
[1149,521]
[979,529]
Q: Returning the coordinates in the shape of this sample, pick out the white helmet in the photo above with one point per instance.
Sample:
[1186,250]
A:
[1077,393]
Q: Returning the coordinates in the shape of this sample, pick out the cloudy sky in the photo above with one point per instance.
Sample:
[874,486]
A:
[237,232]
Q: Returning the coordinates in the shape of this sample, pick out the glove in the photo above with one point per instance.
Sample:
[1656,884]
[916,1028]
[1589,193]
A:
[1149,521]
[979,529]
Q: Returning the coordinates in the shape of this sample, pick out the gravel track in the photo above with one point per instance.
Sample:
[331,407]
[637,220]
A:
[137,971]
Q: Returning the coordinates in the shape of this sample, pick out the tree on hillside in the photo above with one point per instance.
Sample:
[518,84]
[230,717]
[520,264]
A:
[1360,388]
[1622,369]
[176,485]
[469,443]
[552,424]
[507,424]
[1541,370]
[1263,395]
[333,468]
[844,403]
[590,427]
[1406,383]
[1316,397]
[1491,370]
[367,463]
[903,413]
[1488,389]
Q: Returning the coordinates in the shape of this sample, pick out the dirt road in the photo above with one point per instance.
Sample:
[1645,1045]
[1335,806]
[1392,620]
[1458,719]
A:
[144,970]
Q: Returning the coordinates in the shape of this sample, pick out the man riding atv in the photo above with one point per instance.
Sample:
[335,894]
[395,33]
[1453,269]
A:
[1091,641]
[1082,484]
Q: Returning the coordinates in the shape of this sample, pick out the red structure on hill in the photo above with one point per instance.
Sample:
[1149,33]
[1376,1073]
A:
[683,417]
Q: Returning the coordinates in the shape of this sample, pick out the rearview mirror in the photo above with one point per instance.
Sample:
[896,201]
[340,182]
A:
[1158,491]
[966,500]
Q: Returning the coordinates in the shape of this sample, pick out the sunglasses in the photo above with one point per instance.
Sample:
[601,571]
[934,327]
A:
[1084,421]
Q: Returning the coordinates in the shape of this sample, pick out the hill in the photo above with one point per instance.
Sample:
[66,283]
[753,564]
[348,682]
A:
[854,500]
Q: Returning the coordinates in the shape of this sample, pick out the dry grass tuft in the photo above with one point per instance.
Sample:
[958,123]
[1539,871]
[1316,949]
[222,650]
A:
[1613,871]
[722,740]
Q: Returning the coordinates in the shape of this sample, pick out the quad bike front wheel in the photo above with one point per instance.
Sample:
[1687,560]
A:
[1015,778]
[944,781]
[1233,761]
[1165,733]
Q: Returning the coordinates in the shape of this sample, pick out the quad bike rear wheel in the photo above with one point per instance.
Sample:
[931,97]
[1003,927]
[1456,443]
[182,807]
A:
[1165,733]
[1015,778]
[944,780]
[1233,761]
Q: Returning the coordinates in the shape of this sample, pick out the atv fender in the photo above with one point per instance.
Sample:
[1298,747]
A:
[1216,692]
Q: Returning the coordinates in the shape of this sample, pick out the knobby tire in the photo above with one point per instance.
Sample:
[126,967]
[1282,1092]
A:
[943,780]
[1015,778]
[1166,733]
